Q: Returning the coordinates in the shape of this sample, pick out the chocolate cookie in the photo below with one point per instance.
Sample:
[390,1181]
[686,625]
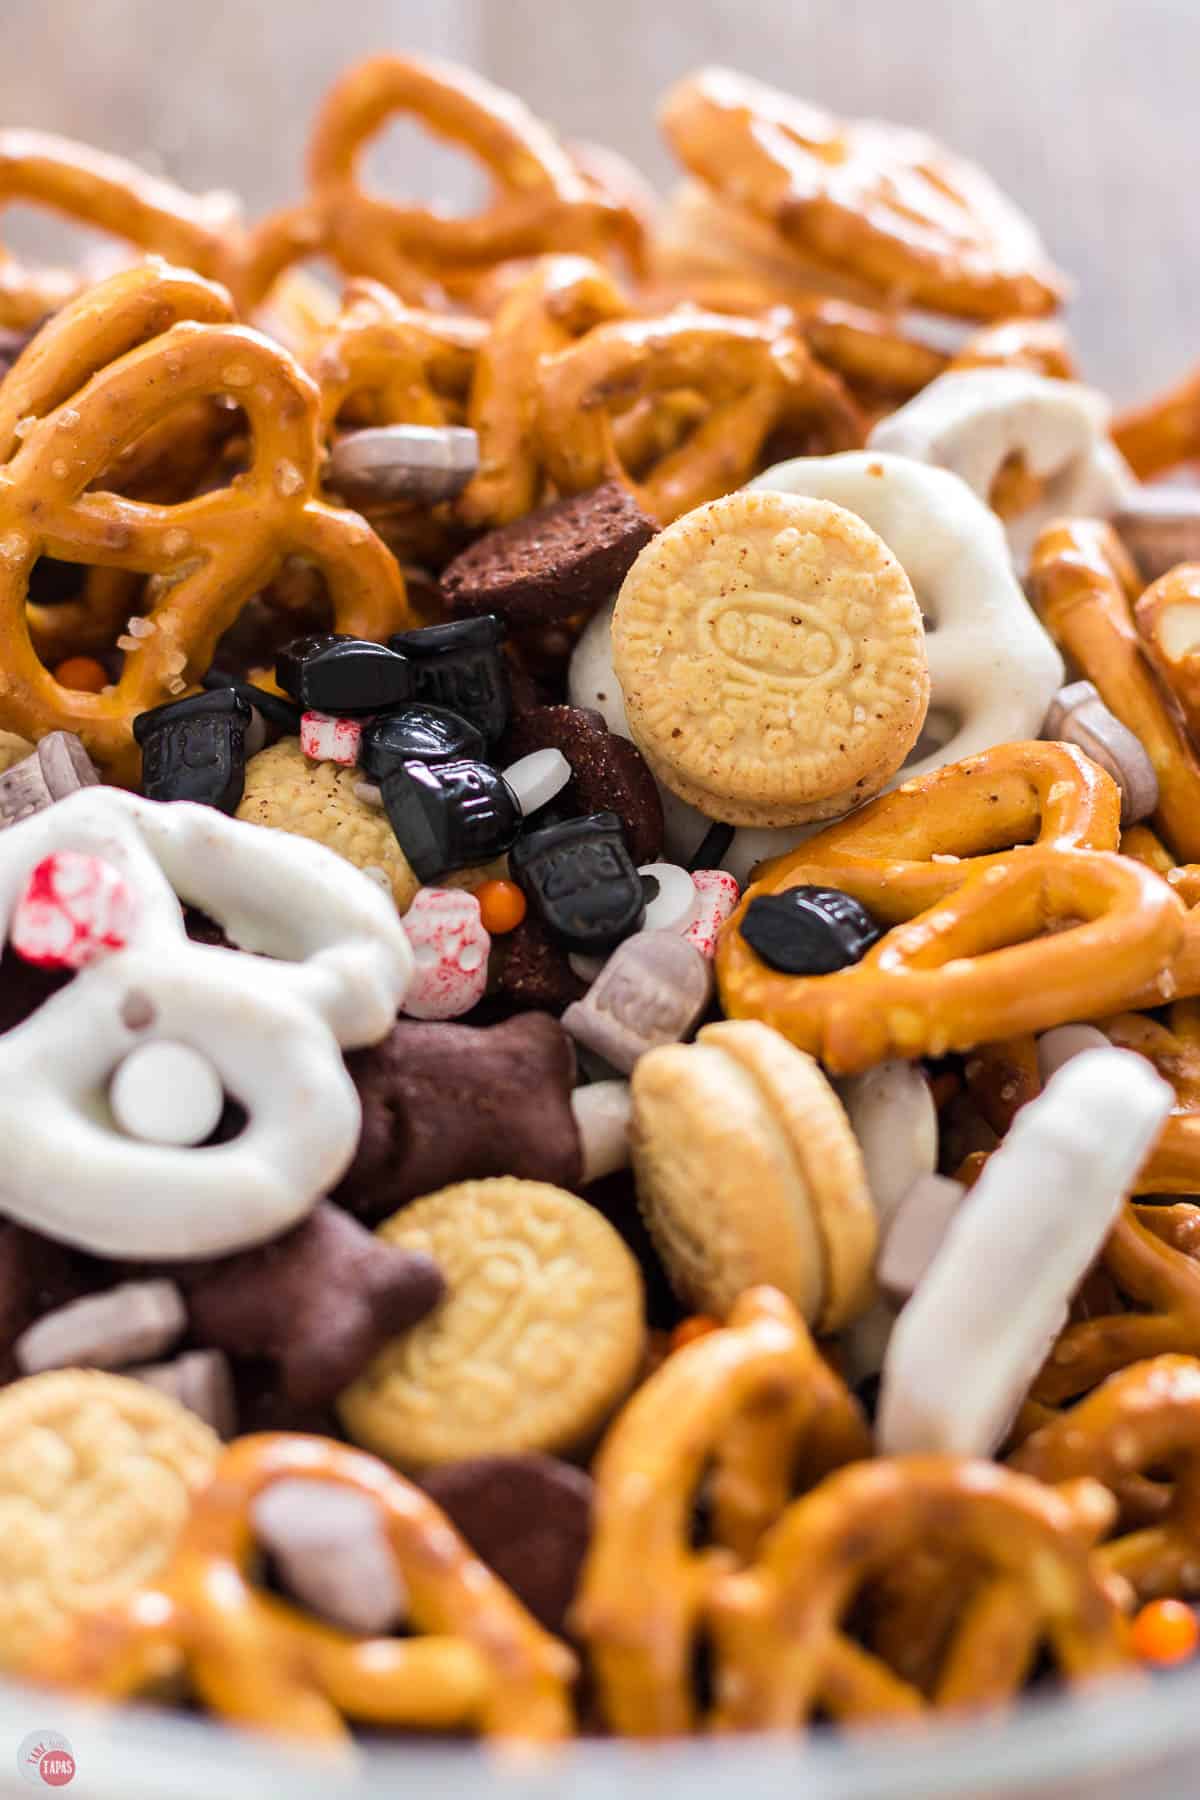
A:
[445,1103]
[528,1518]
[562,560]
[608,773]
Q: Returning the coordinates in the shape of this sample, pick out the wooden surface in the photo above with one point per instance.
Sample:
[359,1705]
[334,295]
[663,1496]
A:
[1084,110]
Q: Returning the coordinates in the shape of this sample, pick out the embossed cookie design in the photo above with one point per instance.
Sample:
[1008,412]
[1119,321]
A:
[538,1340]
[772,657]
[96,1478]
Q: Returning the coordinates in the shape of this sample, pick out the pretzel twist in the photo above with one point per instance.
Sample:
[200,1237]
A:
[1145,1419]
[560,299]
[1174,1049]
[543,201]
[887,205]
[1163,432]
[1149,1269]
[1041,345]
[384,363]
[110,195]
[753,380]
[1082,583]
[1168,618]
[208,556]
[757,1398]
[772,1624]
[958,968]
[486,1664]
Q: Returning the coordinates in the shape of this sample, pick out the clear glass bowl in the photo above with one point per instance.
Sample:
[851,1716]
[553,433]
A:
[1134,1739]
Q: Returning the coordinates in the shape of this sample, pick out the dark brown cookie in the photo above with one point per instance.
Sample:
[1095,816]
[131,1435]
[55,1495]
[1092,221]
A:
[528,1518]
[445,1103]
[531,971]
[608,773]
[36,1277]
[565,559]
[318,1303]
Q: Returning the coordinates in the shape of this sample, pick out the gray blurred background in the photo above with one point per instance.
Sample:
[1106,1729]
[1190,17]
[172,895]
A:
[1085,110]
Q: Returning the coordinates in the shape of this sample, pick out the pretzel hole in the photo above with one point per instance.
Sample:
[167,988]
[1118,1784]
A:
[404,161]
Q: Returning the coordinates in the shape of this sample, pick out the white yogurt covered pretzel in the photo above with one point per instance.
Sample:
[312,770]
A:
[972,1338]
[334,968]
[975,421]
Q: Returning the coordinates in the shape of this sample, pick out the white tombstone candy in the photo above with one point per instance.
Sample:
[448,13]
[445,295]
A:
[386,463]
[1078,716]
[652,990]
[334,967]
[331,1552]
[973,421]
[124,1325]
[974,1335]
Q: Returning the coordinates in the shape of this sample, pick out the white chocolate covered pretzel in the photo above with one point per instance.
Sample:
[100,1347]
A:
[976,422]
[333,968]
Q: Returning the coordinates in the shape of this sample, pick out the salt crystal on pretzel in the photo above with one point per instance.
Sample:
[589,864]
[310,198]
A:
[333,967]
[970,1342]
[979,422]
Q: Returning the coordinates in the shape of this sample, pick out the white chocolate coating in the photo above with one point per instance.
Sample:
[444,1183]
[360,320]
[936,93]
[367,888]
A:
[334,966]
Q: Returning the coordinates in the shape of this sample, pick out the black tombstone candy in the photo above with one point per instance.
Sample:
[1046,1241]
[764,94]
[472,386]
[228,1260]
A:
[809,930]
[344,676]
[580,879]
[450,815]
[428,734]
[460,666]
[196,749]
[276,709]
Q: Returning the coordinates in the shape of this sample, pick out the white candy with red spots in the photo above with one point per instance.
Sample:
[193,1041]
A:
[75,907]
[719,894]
[326,739]
[450,949]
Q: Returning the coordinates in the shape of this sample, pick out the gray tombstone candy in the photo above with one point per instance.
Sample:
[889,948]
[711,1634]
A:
[59,766]
[331,1552]
[421,463]
[1079,716]
[201,1380]
[652,990]
[123,1325]
[1160,527]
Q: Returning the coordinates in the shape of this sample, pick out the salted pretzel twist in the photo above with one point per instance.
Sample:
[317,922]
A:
[1144,1420]
[753,381]
[1150,1263]
[107,194]
[1082,583]
[756,1398]
[884,204]
[1174,1048]
[967,960]
[559,300]
[485,1663]
[384,363]
[543,200]
[1163,432]
[207,556]
[1168,619]
[772,1624]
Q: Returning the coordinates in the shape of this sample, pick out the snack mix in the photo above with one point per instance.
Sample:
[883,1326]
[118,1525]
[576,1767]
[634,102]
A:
[599,1011]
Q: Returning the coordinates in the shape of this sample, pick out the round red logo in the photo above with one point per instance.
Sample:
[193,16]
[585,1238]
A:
[46,1759]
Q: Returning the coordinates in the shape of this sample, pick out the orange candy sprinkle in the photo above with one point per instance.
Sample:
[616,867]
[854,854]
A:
[502,905]
[688,1330]
[83,673]
[1165,1631]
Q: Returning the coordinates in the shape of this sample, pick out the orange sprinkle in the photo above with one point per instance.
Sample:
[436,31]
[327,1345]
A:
[1165,1631]
[83,673]
[502,905]
[688,1330]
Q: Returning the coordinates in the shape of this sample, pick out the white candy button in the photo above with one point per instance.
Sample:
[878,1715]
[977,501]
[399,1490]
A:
[677,901]
[536,779]
[167,1093]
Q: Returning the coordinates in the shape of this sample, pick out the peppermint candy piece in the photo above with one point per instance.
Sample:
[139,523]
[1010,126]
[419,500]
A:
[326,739]
[450,950]
[718,894]
[75,908]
